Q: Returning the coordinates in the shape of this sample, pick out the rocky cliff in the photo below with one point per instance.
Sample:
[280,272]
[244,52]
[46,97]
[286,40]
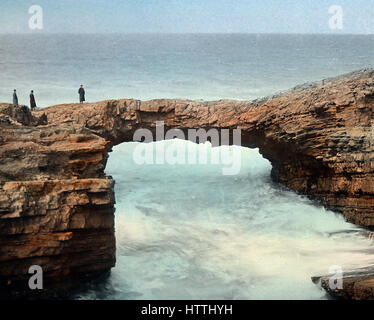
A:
[57,205]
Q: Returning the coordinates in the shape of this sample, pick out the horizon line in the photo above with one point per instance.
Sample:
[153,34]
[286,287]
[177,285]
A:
[187,33]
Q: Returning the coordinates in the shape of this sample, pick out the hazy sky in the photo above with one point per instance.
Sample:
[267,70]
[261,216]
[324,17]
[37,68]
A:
[191,16]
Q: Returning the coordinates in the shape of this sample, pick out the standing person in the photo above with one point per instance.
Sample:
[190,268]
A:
[15,98]
[81,93]
[32,100]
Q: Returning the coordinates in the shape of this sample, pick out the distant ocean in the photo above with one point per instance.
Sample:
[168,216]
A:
[187,231]
[206,66]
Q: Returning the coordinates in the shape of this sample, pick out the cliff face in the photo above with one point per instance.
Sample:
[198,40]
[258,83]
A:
[57,205]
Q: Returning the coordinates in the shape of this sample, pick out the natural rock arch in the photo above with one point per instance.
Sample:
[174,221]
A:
[57,204]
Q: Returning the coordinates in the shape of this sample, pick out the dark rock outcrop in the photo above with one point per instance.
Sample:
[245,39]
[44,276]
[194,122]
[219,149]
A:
[57,205]
[356,285]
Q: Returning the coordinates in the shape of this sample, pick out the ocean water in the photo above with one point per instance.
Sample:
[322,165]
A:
[209,67]
[187,231]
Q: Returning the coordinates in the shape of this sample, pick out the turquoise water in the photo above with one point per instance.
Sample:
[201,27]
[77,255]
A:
[189,232]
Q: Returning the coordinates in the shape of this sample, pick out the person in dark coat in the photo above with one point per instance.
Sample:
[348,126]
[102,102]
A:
[81,93]
[32,100]
[15,98]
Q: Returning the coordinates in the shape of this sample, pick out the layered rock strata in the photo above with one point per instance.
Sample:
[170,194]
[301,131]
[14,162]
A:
[57,204]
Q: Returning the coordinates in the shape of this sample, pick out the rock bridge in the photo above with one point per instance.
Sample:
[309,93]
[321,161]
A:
[57,204]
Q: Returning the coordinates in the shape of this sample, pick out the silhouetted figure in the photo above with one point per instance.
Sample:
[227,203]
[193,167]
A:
[81,94]
[15,98]
[32,100]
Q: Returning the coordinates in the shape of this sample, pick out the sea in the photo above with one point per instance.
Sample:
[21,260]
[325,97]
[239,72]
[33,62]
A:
[187,231]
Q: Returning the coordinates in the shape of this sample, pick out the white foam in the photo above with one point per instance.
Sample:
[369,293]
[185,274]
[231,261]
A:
[188,232]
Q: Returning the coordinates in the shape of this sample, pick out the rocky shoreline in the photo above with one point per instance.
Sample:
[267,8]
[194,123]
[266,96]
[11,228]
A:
[57,204]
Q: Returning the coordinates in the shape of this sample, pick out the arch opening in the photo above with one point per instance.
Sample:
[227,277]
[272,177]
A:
[187,231]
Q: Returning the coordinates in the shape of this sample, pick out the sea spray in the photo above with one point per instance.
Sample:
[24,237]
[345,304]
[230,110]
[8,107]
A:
[189,232]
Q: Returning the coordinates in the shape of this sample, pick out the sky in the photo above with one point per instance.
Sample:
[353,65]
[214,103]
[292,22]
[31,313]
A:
[187,16]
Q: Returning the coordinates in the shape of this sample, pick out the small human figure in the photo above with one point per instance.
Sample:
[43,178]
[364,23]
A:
[32,100]
[81,93]
[15,98]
